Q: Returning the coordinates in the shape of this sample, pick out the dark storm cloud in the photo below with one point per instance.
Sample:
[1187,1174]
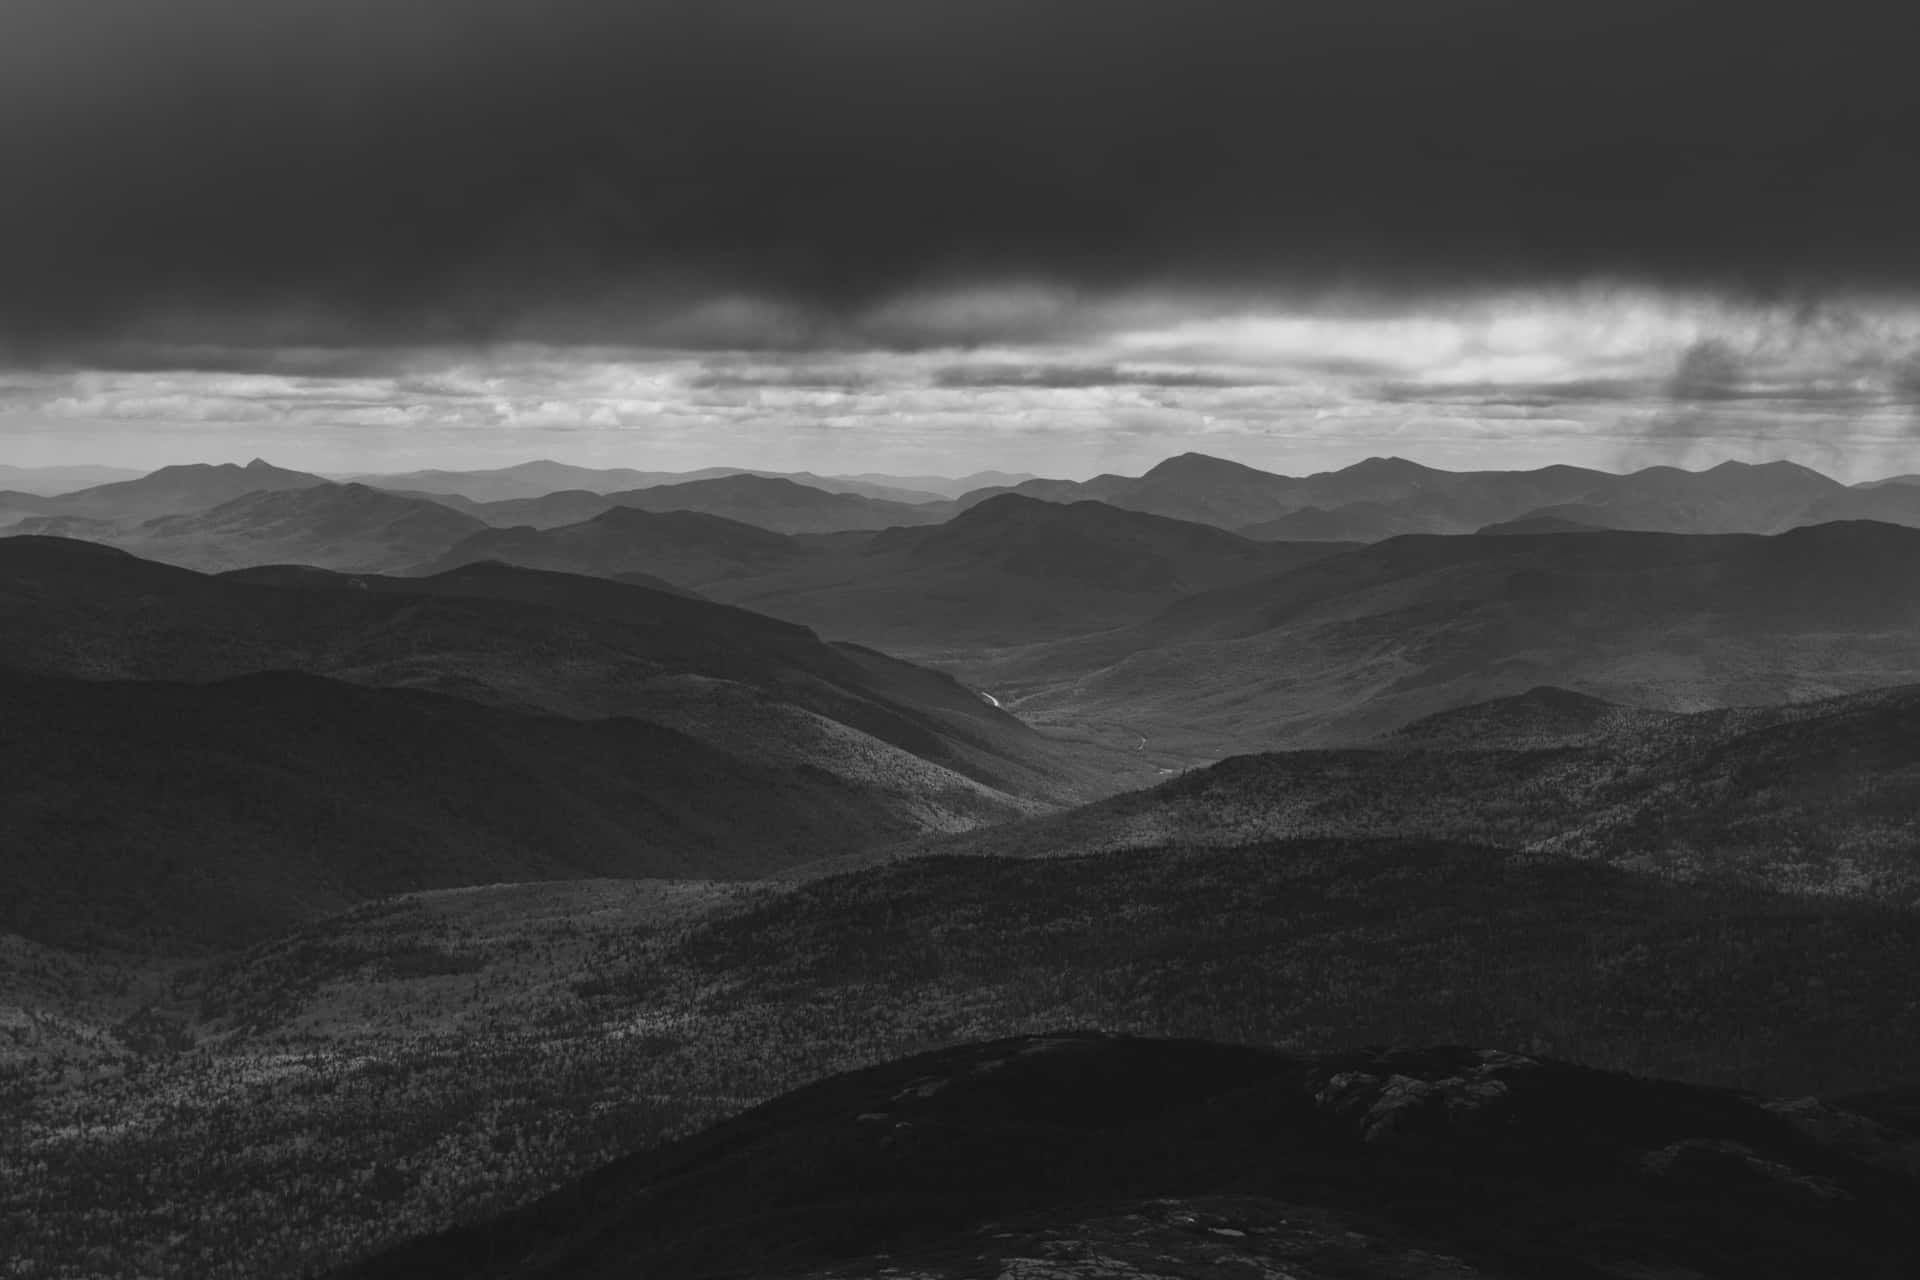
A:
[289,170]
[1708,370]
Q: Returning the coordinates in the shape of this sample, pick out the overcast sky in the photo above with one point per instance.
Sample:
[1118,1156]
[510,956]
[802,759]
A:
[1054,235]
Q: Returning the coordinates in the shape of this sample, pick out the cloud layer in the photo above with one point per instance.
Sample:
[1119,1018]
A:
[1061,234]
[458,169]
[1600,376]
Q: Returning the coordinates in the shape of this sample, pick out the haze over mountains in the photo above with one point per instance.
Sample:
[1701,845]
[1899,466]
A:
[1384,497]
[535,479]
[417,845]
[1006,571]
[1352,645]
[1813,797]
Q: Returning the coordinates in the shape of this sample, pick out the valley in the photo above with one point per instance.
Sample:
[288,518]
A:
[378,868]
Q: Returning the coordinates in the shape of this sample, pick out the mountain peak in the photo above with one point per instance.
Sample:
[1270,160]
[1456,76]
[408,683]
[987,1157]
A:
[1200,464]
[1392,465]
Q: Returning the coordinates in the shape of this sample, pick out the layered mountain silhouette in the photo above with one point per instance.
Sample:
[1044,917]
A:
[1008,570]
[179,490]
[770,502]
[381,857]
[1733,497]
[535,479]
[1358,643]
[1819,797]
[1386,497]
[16,505]
[164,815]
[530,480]
[350,527]
[1074,1154]
[907,744]
[690,548]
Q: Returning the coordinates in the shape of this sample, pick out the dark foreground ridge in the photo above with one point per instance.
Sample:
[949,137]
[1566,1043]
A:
[1084,1155]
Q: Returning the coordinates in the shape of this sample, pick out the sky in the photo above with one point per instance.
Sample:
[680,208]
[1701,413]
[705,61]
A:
[1060,236]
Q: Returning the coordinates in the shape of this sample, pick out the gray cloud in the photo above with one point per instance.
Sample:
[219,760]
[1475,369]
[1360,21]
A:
[1045,374]
[1708,370]
[352,174]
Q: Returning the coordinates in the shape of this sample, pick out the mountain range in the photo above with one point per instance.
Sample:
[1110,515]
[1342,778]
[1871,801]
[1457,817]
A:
[330,526]
[1815,797]
[1385,497]
[418,882]
[1373,499]
[534,479]
[516,657]
[1352,645]
[771,502]
[1010,570]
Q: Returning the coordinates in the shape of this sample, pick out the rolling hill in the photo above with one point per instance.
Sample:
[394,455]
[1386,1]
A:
[1733,497]
[775,503]
[1387,497]
[781,505]
[1088,1155]
[179,490]
[145,815]
[521,639]
[528,480]
[1010,570]
[689,548]
[1359,643]
[16,505]
[349,527]
[1820,797]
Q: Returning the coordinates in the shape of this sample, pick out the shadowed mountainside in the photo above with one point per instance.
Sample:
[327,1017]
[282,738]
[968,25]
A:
[151,815]
[522,639]
[1077,1154]
[1386,497]
[1814,797]
[690,548]
[415,1062]
[1009,570]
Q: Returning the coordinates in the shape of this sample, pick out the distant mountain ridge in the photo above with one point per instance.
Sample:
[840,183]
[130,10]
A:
[1368,501]
[771,502]
[331,526]
[1011,569]
[48,481]
[179,490]
[538,478]
[1385,497]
